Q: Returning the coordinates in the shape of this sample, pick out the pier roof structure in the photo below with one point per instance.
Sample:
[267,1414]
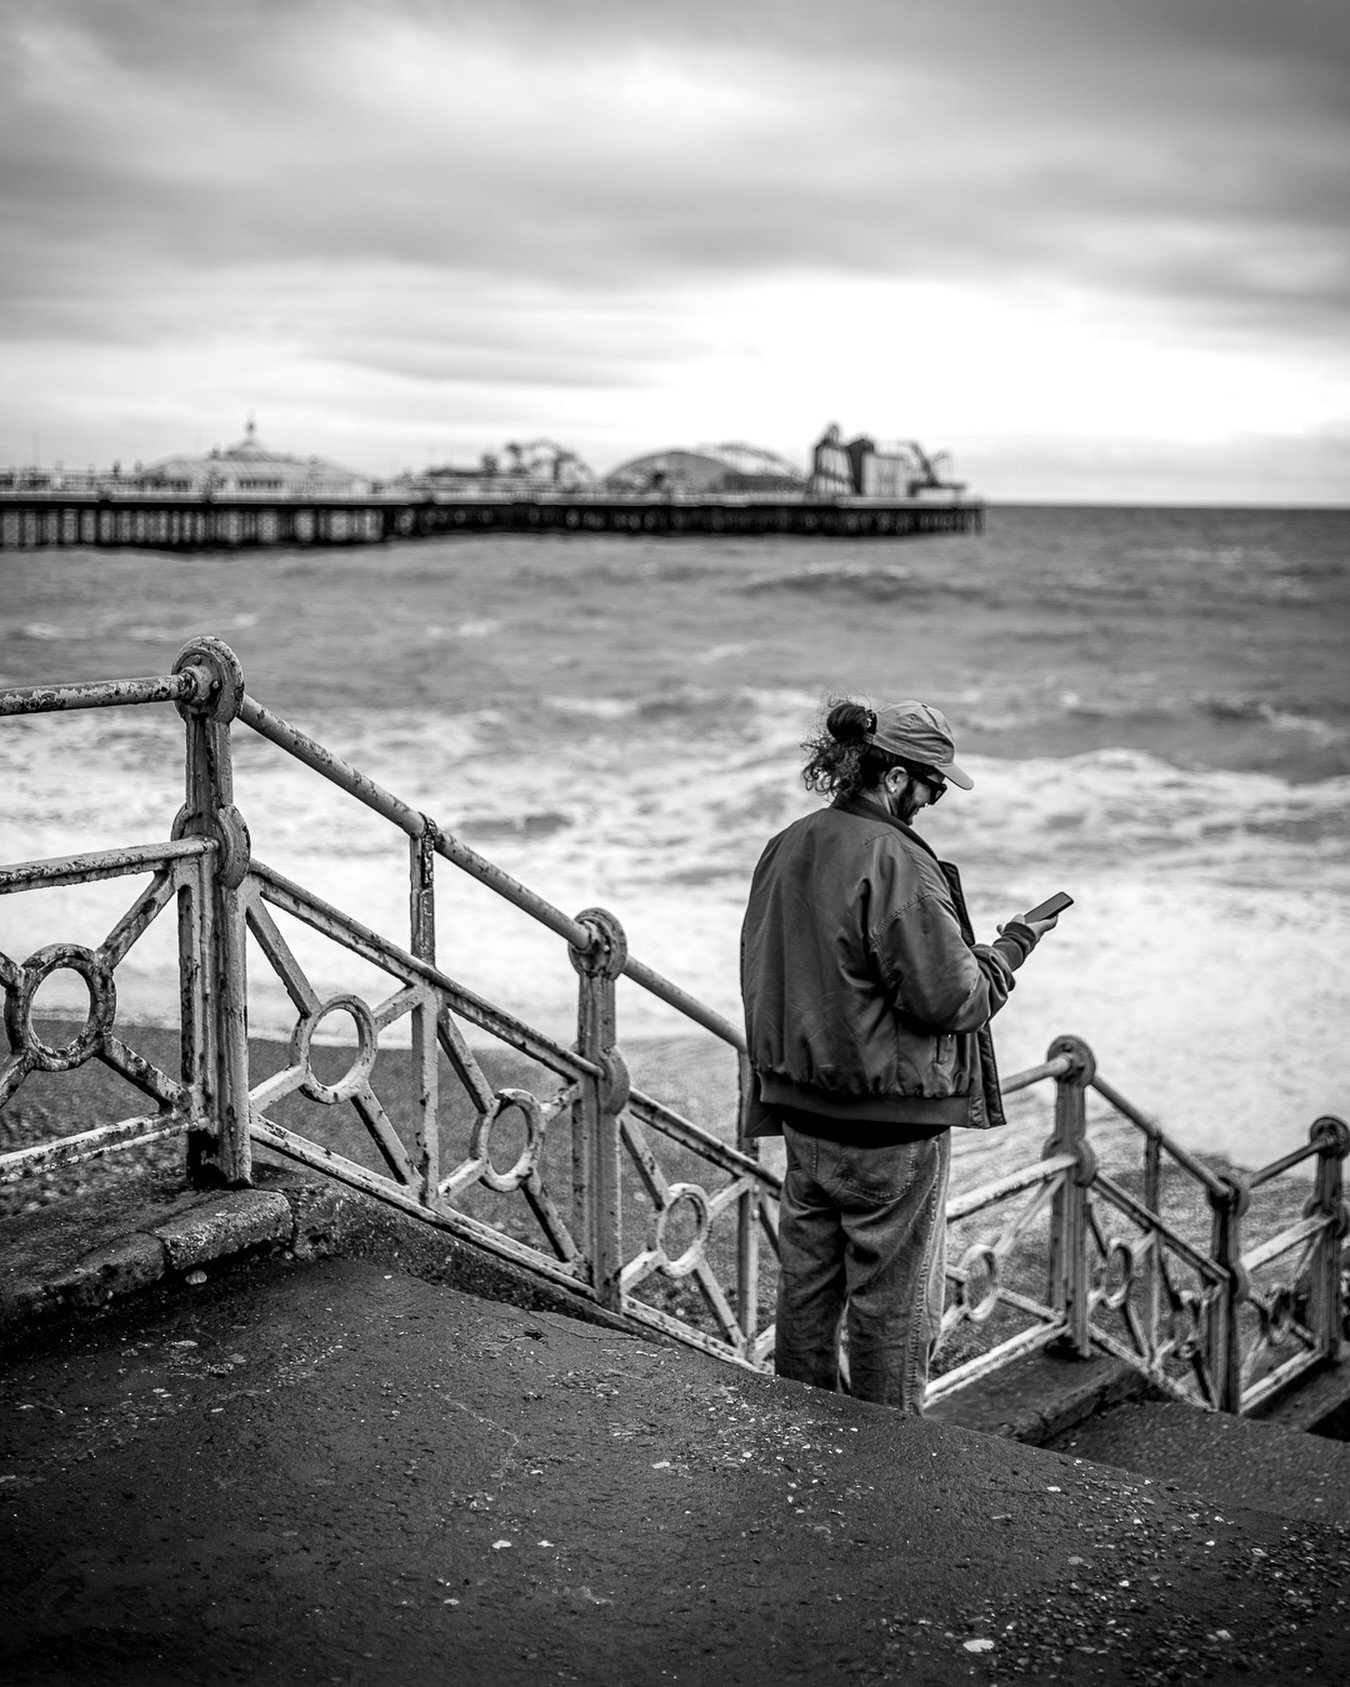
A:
[732,467]
[251,466]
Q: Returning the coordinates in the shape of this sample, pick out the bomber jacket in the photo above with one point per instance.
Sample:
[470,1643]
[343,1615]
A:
[866,996]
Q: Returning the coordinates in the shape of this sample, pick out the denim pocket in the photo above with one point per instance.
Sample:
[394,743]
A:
[873,1176]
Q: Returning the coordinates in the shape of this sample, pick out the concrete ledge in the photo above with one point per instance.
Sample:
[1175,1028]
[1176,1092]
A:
[78,1256]
[225,1224]
[131,1262]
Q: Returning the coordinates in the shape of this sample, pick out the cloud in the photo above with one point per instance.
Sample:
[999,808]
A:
[524,193]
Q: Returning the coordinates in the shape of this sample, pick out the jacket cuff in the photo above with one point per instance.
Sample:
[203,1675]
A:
[1015,942]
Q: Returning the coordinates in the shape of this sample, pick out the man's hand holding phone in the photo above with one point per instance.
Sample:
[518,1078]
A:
[1045,915]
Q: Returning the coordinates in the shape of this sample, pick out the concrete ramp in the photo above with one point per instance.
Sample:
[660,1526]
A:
[338,1471]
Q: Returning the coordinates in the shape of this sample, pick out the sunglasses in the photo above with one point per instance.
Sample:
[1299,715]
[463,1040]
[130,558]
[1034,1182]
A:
[935,781]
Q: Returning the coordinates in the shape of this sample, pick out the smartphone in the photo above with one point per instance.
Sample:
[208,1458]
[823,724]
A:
[1055,904]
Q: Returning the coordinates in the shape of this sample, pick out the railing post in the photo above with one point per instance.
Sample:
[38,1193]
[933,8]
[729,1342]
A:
[1326,1309]
[1225,1348]
[600,1100]
[1153,1194]
[222,1155]
[425,1054]
[747,1214]
[1070,1279]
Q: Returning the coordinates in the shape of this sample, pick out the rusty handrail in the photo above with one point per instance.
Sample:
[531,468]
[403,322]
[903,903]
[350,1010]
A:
[1057,1067]
[183,687]
[1198,1170]
[1286,1162]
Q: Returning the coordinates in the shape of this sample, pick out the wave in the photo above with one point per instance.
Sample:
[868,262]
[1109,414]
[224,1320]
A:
[860,580]
[1258,711]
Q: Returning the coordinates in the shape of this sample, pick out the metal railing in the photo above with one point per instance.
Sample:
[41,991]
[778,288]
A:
[1057,1252]
[630,1162]
[1063,1253]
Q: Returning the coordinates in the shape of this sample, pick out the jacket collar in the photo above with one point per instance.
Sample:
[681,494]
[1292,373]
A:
[866,810]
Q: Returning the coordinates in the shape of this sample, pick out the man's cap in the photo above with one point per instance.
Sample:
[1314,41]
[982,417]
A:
[917,732]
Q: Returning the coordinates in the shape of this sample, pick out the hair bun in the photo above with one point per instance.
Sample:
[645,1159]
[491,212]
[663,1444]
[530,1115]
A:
[849,722]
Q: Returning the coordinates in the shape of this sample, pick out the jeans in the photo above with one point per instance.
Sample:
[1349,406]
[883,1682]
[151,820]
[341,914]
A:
[862,1233]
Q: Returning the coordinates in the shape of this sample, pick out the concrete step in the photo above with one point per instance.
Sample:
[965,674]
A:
[1232,1461]
[1103,1410]
[1037,1398]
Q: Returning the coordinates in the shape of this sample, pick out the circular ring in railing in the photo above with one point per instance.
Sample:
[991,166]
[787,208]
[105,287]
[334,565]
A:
[981,1257]
[358,1073]
[1121,1255]
[528,1158]
[693,1253]
[98,980]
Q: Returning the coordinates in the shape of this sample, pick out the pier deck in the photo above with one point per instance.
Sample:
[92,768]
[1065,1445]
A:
[35,520]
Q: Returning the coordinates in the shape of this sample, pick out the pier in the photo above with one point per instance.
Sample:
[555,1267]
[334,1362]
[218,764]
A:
[47,518]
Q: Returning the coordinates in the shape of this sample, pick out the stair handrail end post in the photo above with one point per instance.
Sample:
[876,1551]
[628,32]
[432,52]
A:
[600,1101]
[221,1153]
[1327,1304]
[1070,1283]
[1227,1205]
[425,1016]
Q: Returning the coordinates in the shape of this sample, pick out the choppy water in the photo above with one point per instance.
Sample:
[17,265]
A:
[1154,703]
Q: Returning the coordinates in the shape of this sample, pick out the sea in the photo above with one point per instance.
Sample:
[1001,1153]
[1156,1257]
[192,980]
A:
[1154,705]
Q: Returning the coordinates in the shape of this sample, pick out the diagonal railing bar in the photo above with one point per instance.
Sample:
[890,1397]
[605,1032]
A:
[387,1139]
[91,1145]
[1124,1202]
[137,1070]
[139,917]
[13,1070]
[689,1135]
[1303,1234]
[461,1059]
[276,1087]
[400,1005]
[278,952]
[989,1194]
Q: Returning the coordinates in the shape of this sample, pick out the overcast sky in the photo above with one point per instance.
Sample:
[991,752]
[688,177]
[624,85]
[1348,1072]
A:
[1098,248]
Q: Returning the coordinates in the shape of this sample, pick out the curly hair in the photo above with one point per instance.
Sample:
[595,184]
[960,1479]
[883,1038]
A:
[843,763]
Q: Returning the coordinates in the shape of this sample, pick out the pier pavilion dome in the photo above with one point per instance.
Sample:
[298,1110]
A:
[732,467]
[250,467]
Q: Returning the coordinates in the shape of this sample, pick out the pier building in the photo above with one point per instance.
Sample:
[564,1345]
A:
[249,495]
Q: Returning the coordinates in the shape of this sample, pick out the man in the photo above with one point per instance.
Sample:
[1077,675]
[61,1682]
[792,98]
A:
[867,1006]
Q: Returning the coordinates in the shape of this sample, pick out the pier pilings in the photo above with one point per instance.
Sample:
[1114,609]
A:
[38,520]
